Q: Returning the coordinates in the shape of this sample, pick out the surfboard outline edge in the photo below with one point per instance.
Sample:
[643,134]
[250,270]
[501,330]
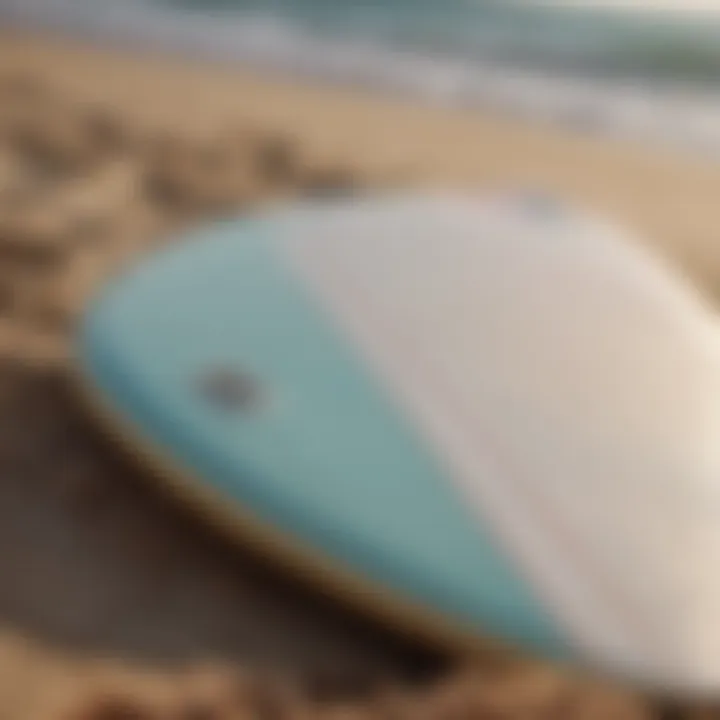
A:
[282,552]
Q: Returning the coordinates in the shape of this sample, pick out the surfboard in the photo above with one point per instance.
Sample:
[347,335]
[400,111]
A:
[473,416]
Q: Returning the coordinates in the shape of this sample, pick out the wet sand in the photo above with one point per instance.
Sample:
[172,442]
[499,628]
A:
[102,156]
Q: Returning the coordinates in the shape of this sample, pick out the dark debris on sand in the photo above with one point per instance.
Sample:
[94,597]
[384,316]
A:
[74,175]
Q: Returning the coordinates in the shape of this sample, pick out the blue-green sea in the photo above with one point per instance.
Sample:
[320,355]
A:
[628,44]
[654,75]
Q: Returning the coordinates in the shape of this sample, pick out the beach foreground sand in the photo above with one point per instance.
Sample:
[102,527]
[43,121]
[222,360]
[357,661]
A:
[102,155]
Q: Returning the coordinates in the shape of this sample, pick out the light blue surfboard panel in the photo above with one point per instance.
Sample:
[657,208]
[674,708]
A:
[324,454]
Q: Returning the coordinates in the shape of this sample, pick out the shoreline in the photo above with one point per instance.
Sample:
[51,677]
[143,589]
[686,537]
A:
[670,115]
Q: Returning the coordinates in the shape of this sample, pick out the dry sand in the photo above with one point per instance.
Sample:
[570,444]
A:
[102,154]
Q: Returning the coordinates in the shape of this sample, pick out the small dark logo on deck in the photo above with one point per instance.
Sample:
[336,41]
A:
[232,390]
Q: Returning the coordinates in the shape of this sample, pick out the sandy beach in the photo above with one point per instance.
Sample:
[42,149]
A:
[92,563]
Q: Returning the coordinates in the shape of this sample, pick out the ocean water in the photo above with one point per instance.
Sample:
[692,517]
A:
[622,44]
[654,76]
